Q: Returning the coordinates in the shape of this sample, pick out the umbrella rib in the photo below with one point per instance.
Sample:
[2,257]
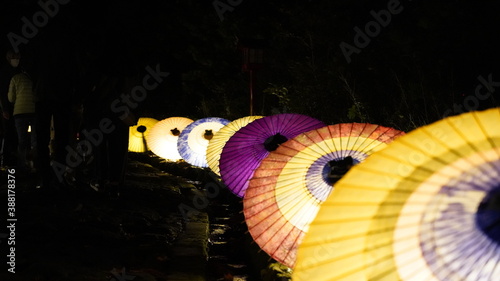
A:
[314,144]
[302,216]
[423,168]
[455,152]
[327,140]
[469,254]
[250,204]
[493,250]
[407,249]
[464,238]
[473,257]
[488,137]
[349,145]
[396,134]
[335,148]
[267,226]
[280,228]
[481,126]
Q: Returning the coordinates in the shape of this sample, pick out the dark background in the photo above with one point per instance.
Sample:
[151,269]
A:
[425,61]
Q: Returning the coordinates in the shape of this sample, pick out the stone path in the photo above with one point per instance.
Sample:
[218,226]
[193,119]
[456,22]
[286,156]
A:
[189,252]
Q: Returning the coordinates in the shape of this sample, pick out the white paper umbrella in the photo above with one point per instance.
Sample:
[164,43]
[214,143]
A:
[162,138]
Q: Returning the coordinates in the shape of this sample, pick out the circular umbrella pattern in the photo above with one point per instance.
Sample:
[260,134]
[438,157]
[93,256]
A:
[193,140]
[245,150]
[138,134]
[424,208]
[288,187]
[216,144]
[162,138]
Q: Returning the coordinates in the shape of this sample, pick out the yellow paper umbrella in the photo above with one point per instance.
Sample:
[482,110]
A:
[216,144]
[424,208]
[162,138]
[288,187]
[138,134]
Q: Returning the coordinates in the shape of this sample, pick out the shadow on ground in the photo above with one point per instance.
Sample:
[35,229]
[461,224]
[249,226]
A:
[80,234]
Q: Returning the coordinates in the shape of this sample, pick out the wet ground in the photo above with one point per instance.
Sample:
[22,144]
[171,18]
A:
[172,221]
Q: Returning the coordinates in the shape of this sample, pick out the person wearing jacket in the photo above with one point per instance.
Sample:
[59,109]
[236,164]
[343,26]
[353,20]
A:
[22,97]
[8,133]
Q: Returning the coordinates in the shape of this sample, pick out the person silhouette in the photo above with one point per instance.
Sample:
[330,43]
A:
[21,95]
[8,131]
[55,101]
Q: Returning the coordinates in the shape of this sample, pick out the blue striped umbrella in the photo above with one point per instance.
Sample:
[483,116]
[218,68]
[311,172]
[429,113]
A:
[193,140]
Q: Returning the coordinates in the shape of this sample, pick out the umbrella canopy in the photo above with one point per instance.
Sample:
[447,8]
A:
[193,140]
[138,134]
[288,187]
[162,138]
[424,208]
[216,144]
[245,150]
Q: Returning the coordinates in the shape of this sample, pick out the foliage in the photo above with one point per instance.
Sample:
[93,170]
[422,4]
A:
[281,93]
[276,272]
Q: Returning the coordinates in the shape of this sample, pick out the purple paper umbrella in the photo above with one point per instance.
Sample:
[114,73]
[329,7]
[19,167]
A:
[245,150]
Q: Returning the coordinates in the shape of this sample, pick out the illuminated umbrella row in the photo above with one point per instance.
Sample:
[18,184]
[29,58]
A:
[289,161]
[175,138]
[423,208]
[282,165]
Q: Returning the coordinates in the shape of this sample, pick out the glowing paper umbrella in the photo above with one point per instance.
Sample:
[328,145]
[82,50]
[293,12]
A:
[138,134]
[245,150]
[288,187]
[216,144]
[162,138]
[424,208]
[193,140]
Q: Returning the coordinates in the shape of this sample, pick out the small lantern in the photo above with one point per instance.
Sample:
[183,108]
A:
[253,58]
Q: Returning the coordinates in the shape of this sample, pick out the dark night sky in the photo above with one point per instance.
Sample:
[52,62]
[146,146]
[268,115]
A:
[463,35]
[115,21]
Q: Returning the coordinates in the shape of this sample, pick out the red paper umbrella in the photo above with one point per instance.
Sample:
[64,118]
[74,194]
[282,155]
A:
[245,150]
[290,184]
